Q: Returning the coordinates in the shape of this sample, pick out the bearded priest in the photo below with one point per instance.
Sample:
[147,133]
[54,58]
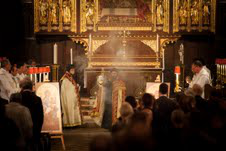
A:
[70,99]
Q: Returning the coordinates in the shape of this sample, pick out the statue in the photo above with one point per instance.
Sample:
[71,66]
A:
[66,12]
[194,13]
[206,13]
[181,53]
[160,13]
[43,11]
[183,13]
[53,12]
[89,13]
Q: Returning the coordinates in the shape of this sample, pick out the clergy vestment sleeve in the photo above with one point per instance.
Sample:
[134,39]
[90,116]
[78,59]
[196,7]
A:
[6,86]
[203,80]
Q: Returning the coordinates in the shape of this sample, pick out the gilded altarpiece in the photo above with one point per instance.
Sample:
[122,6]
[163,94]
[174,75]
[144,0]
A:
[55,15]
[133,15]
[191,15]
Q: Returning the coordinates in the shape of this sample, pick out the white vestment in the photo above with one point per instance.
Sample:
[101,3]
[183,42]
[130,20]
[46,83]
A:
[16,81]
[209,72]
[202,78]
[7,84]
[21,76]
[70,103]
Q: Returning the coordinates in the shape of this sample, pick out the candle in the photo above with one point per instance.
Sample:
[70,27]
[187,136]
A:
[35,72]
[55,54]
[30,72]
[48,71]
[71,54]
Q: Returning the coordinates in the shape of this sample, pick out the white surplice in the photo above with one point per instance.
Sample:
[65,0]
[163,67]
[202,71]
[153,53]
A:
[202,78]
[70,103]
[7,85]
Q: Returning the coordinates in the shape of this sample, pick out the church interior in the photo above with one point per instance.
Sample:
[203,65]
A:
[148,42]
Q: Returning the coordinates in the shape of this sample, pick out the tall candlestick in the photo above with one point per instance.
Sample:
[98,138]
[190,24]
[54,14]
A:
[55,54]
[71,55]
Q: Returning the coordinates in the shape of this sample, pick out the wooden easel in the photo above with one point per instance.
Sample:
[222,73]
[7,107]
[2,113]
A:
[61,136]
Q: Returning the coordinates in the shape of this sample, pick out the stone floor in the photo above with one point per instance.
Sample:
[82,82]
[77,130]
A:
[77,139]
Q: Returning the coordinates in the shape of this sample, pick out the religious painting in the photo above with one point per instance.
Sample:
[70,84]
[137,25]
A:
[153,88]
[49,93]
[193,15]
[55,15]
[140,15]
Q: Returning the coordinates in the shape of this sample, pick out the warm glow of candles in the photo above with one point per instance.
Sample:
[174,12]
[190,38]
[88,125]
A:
[55,54]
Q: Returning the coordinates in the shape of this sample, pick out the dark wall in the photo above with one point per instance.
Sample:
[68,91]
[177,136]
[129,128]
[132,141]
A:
[12,30]
[45,51]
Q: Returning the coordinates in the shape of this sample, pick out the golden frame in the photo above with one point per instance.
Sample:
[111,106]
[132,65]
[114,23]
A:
[200,25]
[136,27]
[59,26]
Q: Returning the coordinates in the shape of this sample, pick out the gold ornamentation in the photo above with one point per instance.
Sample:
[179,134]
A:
[74,15]
[88,14]
[60,16]
[106,28]
[54,12]
[166,16]
[66,13]
[36,16]
[175,16]
[84,42]
[97,43]
[151,44]
[91,18]
[43,11]
[213,16]
[154,16]
[165,41]
[55,15]
[128,64]
[160,13]
[194,15]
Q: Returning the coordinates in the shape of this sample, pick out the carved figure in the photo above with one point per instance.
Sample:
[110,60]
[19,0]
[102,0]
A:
[90,13]
[66,11]
[206,13]
[183,15]
[194,13]
[53,13]
[43,5]
[160,14]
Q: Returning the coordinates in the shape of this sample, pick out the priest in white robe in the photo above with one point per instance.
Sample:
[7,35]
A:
[70,99]
[201,76]
[22,71]
[7,85]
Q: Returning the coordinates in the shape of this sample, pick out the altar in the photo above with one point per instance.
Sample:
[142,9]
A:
[134,78]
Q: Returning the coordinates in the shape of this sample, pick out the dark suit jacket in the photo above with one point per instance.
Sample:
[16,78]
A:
[3,101]
[162,110]
[34,104]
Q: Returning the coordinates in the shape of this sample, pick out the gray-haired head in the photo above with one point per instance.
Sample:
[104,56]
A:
[26,84]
